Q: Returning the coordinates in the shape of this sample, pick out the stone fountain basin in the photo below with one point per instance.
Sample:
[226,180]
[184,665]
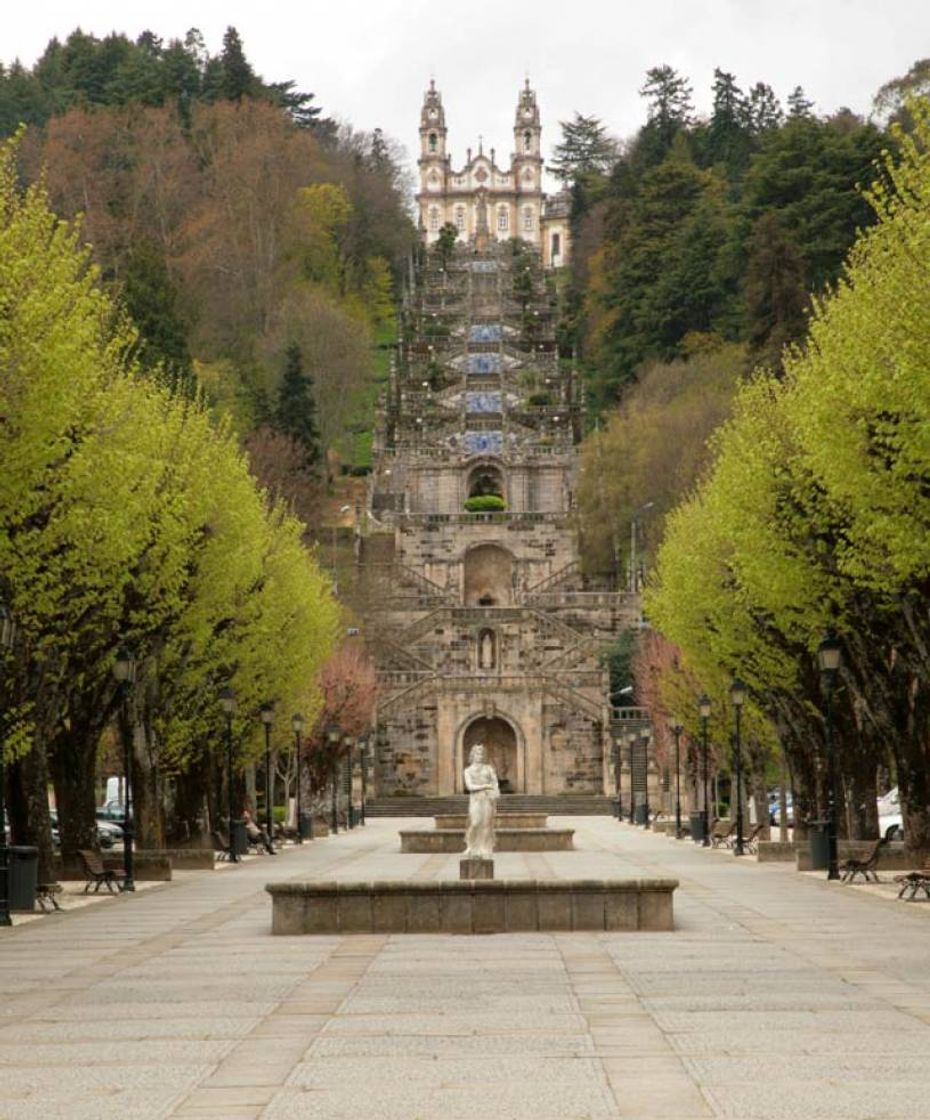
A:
[426,841]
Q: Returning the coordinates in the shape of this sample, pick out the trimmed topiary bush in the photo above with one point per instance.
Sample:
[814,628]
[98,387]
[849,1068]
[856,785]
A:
[485,503]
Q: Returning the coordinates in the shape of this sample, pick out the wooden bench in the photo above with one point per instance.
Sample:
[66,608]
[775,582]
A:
[46,896]
[722,833]
[751,843]
[98,876]
[850,868]
[221,845]
[913,882]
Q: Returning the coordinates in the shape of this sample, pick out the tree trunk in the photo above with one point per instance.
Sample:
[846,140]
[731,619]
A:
[190,822]
[73,763]
[30,823]
[148,824]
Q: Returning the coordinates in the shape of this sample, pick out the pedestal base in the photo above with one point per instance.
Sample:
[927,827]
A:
[476,868]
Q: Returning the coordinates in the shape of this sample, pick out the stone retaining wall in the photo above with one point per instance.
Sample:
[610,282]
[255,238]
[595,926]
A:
[472,906]
[504,820]
[451,840]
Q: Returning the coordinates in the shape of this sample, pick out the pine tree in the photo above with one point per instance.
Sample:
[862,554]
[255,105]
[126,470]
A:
[728,140]
[798,103]
[670,109]
[585,150]
[238,77]
[296,411]
[763,110]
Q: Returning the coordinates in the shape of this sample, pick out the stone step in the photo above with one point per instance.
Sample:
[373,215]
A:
[575,805]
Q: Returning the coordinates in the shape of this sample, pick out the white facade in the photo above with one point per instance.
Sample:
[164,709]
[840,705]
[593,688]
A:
[483,198]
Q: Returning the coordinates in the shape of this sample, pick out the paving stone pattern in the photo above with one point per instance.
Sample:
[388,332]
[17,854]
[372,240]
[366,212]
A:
[779,996]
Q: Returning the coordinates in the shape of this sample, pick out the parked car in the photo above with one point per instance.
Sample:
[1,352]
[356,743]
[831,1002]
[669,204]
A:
[108,834]
[890,815]
[112,810]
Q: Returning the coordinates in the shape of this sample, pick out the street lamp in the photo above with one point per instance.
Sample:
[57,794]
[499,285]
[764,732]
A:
[297,725]
[636,512]
[124,670]
[829,658]
[228,704]
[348,743]
[737,699]
[631,744]
[267,715]
[676,730]
[704,710]
[7,638]
[363,765]
[647,735]
[617,742]
[333,735]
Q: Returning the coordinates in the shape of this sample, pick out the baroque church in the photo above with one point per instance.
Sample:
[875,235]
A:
[509,202]
[482,623]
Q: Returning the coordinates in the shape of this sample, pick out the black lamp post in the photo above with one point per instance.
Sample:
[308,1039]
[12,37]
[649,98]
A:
[297,724]
[333,734]
[631,743]
[267,714]
[228,704]
[7,638]
[737,699]
[348,744]
[363,765]
[704,710]
[829,658]
[617,743]
[124,670]
[676,730]
[647,735]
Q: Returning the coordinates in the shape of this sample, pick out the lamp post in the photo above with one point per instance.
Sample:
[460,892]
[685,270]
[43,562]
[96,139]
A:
[829,658]
[631,744]
[634,581]
[297,725]
[124,670]
[267,715]
[348,744]
[7,638]
[647,735]
[737,699]
[704,710]
[617,743]
[676,730]
[228,704]
[363,765]
[333,734]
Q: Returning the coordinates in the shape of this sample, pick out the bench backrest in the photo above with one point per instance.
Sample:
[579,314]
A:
[92,862]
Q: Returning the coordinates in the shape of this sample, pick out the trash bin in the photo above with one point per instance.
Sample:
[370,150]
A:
[696,820]
[24,867]
[240,839]
[305,825]
[639,816]
[819,838]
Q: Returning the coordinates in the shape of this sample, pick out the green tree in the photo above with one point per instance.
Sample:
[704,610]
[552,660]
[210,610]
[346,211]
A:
[238,77]
[296,408]
[669,109]
[585,152]
[152,302]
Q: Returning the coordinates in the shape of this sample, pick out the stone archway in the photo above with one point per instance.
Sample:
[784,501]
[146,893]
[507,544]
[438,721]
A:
[500,743]
[488,576]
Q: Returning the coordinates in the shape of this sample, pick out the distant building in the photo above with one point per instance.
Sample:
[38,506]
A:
[484,200]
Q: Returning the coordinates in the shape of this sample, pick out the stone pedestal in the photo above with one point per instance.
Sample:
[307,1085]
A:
[476,868]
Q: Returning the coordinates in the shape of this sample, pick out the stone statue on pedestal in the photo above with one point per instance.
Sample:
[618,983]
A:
[481,783]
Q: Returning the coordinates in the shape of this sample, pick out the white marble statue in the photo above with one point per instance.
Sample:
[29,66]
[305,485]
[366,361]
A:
[481,783]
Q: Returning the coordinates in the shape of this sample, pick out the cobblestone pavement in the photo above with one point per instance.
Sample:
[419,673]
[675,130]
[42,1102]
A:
[778,996]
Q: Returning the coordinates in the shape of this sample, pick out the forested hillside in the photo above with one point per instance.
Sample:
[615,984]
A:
[700,246]
[253,242]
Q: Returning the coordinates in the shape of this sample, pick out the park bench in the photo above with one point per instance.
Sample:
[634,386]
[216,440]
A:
[850,868]
[98,876]
[722,833]
[751,843]
[221,845]
[913,882]
[46,896]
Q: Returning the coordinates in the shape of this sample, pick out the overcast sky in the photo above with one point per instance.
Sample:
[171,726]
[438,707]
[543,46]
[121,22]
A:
[369,62]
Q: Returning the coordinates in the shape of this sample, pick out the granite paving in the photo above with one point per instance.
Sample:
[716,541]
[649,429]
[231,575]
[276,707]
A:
[778,996]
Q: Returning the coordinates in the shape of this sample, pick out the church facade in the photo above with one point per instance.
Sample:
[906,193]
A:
[482,623]
[507,202]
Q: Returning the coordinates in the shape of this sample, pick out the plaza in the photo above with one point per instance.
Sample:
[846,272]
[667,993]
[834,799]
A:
[777,995]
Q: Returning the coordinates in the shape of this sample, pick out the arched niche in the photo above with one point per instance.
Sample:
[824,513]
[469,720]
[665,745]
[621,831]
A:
[500,741]
[487,655]
[488,576]
[486,478]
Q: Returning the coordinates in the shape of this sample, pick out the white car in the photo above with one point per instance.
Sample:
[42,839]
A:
[889,814]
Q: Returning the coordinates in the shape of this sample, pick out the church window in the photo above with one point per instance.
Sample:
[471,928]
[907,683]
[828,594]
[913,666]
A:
[527,141]
[433,219]
[432,141]
[460,217]
[556,246]
[503,219]
[528,220]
